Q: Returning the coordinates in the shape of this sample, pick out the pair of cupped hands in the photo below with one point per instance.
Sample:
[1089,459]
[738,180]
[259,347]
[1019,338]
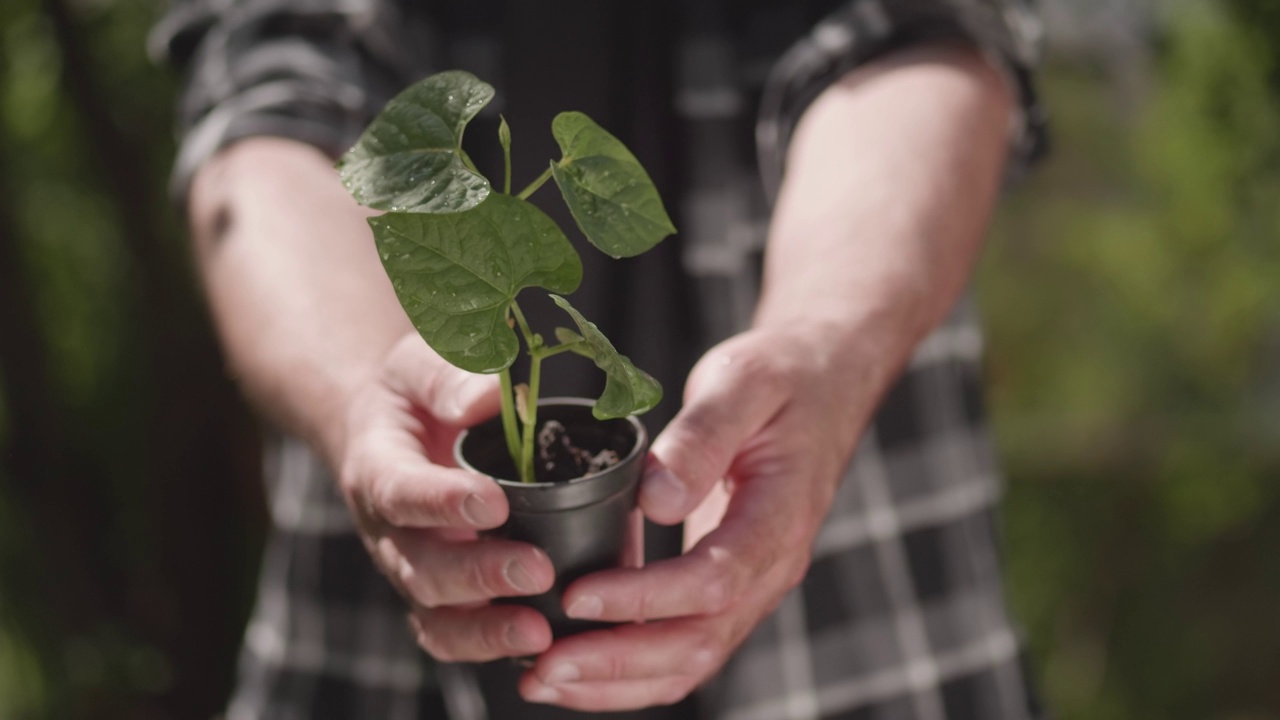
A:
[750,463]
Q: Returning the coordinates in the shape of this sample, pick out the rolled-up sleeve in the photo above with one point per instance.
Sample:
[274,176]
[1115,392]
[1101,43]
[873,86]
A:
[311,70]
[1007,30]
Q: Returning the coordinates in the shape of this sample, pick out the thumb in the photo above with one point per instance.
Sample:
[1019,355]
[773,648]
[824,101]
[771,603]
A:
[731,395]
[450,394]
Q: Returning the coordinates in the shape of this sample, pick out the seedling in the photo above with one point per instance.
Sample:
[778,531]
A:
[458,251]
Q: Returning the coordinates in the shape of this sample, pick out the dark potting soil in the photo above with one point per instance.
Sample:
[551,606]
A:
[559,459]
[570,443]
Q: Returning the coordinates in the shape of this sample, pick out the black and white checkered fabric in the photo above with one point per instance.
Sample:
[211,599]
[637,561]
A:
[902,615]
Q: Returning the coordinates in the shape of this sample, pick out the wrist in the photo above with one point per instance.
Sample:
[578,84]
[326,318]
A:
[329,411]
[861,349]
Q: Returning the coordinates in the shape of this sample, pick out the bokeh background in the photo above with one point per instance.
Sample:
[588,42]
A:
[1131,290]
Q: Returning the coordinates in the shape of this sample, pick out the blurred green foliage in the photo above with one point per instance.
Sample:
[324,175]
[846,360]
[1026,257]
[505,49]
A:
[1132,293]
[1132,290]
[129,506]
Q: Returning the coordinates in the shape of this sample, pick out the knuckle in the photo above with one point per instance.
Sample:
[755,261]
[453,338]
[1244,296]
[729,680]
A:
[382,496]
[647,604]
[718,595]
[397,501]
[492,642]
[432,388]
[482,577]
[430,642]
[724,581]
[420,586]
[446,655]
[350,477]
[355,479]
[642,606]
[703,662]
[615,667]
[424,592]
[705,451]
[760,368]
[762,371]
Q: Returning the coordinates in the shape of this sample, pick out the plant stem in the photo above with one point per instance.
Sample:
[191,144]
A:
[509,427]
[531,419]
[506,157]
[524,457]
[533,186]
[522,450]
[545,353]
[524,327]
[466,160]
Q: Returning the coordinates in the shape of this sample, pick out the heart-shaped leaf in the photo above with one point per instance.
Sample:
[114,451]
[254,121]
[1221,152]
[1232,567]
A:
[607,190]
[410,157]
[628,390]
[457,274]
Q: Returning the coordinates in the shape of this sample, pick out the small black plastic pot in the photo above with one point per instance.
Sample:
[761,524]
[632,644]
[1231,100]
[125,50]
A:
[581,522]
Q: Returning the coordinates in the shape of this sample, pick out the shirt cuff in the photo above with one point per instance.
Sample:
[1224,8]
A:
[1006,30]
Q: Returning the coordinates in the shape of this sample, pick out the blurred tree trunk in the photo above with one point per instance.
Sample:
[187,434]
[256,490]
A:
[59,581]
[201,455]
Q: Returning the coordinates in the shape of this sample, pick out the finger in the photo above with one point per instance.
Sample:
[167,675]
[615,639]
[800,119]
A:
[690,648]
[732,393]
[437,572]
[640,665]
[480,634]
[612,696]
[398,486]
[450,394]
[706,581]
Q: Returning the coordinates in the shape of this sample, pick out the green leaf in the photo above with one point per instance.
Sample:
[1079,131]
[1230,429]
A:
[609,193]
[569,337]
[628,389]
[410,157]
[504,134]
[457,274]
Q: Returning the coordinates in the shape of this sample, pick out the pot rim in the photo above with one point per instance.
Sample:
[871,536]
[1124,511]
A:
[641,442]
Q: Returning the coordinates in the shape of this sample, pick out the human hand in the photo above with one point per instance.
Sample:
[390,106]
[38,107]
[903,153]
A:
[418,516]
[775,413]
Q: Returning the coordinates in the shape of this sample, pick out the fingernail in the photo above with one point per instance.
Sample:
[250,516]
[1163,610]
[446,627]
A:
[520,579]
[542,694]
[478,512]
[562,673]
[517,640]
[664,489]
[586,608]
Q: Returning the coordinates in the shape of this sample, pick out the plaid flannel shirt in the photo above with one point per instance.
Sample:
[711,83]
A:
[901,615]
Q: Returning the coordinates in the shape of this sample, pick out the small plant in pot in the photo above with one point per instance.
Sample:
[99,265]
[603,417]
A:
[458,252]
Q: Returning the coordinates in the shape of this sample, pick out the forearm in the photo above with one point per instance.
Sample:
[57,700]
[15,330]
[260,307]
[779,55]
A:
[299,297]
[891,178]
